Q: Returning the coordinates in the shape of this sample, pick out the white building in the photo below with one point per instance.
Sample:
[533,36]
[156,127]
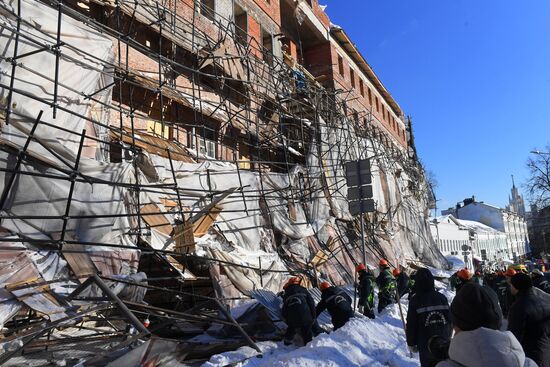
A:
[483,242]
[512,224]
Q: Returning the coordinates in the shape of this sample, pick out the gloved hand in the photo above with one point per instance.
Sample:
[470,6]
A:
[413,348]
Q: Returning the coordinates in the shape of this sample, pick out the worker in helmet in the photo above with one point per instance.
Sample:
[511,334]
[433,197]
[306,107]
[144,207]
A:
[366,291]
[464,276]
[298,312]
[387,287]
[504,293]
[540,280]
[337,302]
[402,280]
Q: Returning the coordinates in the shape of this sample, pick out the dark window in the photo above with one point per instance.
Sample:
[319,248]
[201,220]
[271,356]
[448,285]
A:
[241,25]
[377,104]
[340,65]
[352,77]
[361,87]
[207,8]
[370,97]
[267,47]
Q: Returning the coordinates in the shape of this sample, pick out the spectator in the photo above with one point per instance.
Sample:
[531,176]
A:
[529,319]
[478,342]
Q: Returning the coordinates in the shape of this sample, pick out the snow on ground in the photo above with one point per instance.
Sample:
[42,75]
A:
[361,342]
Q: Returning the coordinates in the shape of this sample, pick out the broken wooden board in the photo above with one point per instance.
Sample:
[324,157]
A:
[155,219]
[79,260]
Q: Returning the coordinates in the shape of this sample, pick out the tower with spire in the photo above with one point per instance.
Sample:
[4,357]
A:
[515,201]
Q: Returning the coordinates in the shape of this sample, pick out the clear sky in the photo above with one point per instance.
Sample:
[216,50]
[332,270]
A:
[473,74]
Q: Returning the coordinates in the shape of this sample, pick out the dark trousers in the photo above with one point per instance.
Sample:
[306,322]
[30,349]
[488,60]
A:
[340,321]
[304,330]
[368,311]
[383,302]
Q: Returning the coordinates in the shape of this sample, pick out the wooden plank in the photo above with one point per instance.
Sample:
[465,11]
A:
[79,261]
[184,238]
[322,256]
[201,226]
[158,221]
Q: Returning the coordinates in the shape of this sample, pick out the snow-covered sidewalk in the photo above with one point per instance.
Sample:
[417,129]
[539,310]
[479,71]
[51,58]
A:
[361,342]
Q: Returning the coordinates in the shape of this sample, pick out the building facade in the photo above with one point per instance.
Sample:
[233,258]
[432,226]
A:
[484,243]
[508,222]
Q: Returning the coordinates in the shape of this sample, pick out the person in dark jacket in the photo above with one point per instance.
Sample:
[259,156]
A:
[540,280]
[402,280]
[463,276]
[428,316]
[412,285]
[366,291]
[505,296]
[298,312]
[529,319]
[337,302]
[387,287]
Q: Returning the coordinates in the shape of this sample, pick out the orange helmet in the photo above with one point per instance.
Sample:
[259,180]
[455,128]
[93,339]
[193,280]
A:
[510,272]
[360,267]
[464,274]
[395,272]
[324,285]
[383,262]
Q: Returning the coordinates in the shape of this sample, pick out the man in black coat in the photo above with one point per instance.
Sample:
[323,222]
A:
[337,302]
[428,315]
[298,312]
[529,319]
[366,291]
[502,289]
[540,280]
[402,280]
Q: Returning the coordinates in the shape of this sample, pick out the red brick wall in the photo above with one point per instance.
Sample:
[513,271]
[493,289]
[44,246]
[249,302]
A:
[357,102]
[254,31]
[320,14]
[271,8]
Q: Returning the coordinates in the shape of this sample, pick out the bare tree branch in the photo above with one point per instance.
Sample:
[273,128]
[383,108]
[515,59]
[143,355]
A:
[538,184]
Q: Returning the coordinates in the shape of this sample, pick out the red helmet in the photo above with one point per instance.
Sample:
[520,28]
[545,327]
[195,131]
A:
[324,285]
[383,262]
[396,272]
[464,274]
[360,267]
[510,272]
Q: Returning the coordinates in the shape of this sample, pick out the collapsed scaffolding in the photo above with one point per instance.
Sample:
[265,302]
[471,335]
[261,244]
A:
[173,190]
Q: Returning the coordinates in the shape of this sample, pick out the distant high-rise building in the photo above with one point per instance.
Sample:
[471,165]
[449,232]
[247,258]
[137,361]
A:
[515,201]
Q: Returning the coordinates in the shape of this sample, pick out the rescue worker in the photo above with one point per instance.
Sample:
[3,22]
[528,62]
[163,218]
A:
[477,277]
[387,287]
[540,280]
[428,316]
[337,302]
[453,280]
[463,276]
[412,288]
[402,280]
[298,312]
[366,291]
[504,294]
[529,319]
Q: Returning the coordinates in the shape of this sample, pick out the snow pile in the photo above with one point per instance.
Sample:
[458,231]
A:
[361,342]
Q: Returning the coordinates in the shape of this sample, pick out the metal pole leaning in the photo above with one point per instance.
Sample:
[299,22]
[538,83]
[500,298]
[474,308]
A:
[227,314]
[20,157]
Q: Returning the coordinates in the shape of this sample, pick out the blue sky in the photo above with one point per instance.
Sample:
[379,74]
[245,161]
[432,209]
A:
[473,74]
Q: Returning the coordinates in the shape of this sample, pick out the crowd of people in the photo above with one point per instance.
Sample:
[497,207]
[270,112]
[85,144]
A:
[499,318]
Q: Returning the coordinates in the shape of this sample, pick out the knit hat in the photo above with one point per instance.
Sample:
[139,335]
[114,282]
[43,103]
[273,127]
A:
[521,281]
[476,306]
